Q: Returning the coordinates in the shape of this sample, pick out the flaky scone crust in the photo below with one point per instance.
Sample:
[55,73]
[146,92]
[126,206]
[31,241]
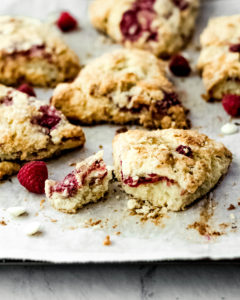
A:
[121,87]
[8,168]
[138,153]
[22,139]
[173,26]
[219,66]
[33,52]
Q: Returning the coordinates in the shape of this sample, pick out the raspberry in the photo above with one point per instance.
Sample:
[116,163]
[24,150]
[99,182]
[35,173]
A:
[66,22]
[49,118]
[231,104]
[179,66]
[33,175]
[184,150]
[7,100]
[27,89]
[234,48]
[68,185]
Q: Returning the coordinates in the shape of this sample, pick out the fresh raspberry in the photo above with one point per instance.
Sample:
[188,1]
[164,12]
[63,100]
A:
[33,175]
[66,22]
[184,150]
[231,104]
[234,48]
[179,66]
[27,89]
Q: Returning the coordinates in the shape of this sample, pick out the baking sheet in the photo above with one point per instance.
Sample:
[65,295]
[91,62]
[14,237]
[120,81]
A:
[79,238]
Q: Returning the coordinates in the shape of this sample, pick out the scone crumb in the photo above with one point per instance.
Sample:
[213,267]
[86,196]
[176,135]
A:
[3,223]
[41,203]
[73,164]
[107,241]
[100,146]
[53,220]
[231,207]
[118,233]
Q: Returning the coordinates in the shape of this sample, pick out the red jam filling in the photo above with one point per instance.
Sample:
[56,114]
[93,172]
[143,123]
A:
[234,48]
[34,51]
[138,20]
[151,178]
[70,185]
[169,100]
[49,118]
[184,150]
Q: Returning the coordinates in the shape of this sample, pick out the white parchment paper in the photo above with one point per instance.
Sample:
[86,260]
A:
[71,238]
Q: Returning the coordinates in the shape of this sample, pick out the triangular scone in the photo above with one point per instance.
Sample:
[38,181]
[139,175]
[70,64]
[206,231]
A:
[160,26]
[121,87]
[169,168]
[32,130]
[87,183]
[33,52]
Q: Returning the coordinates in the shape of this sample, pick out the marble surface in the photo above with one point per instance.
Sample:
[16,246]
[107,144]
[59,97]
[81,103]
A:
[177,281]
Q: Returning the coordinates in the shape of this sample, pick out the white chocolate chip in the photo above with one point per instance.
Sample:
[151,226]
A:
[16,211]
[131,204]
[33,228]
[229,128]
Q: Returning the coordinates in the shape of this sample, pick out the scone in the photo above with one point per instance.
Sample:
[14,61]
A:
[160,26]
[31,130]
[32,52]
[121,87]
[168,168]
[87,183]
[219,58]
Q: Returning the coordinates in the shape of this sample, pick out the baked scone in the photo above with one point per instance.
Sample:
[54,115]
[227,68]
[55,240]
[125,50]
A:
[168,168]
[32,52]
[87,183]
[31,130]
[219,58]
[121,87]
[160,26]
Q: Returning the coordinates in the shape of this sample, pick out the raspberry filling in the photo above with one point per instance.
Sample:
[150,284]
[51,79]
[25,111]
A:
[234,48]
[6,100]
[138,20]
[49,118]
[34,51]
[181,4]
[184,150]
[70,184]
[151,178]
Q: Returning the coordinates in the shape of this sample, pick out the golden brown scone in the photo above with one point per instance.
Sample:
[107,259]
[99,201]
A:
[219,60]
[121,87]
[168,168]
[161,26]
[87,183]
[8,168]
[32,52]
[31,130]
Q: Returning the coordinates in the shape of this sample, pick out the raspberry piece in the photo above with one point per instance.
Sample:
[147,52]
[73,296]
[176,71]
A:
[231,104]
[7,100]
[27,89]
[33,175]
[129,25]
[184,150]
[49,118]
[66,22]
[234,48]
[69,185]
[179,66]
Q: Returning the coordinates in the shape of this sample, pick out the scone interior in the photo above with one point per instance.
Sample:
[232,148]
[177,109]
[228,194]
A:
[168,168]
[87,183]
[32,130]
[34,52]
[161,26]
[124,86]
[218,62]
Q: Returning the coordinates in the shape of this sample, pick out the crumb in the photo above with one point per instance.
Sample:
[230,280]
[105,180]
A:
[231,207]
[115,210]
[41,203]
[53,220]
[3,223]
[73,164]
[118,233]
[89,55]
[92,223]
[100,146]
[107,241]
[72,227]
[114,226]
[205,97]
[238,203]
[36,214]
[121,130]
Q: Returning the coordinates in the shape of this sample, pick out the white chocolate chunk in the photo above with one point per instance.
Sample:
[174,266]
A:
[229,128]
[16,211]
[33,228]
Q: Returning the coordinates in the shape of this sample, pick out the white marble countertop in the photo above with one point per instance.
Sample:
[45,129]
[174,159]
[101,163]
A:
[181,281]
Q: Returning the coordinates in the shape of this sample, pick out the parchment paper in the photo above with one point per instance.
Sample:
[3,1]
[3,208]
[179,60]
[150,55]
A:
[74,238]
